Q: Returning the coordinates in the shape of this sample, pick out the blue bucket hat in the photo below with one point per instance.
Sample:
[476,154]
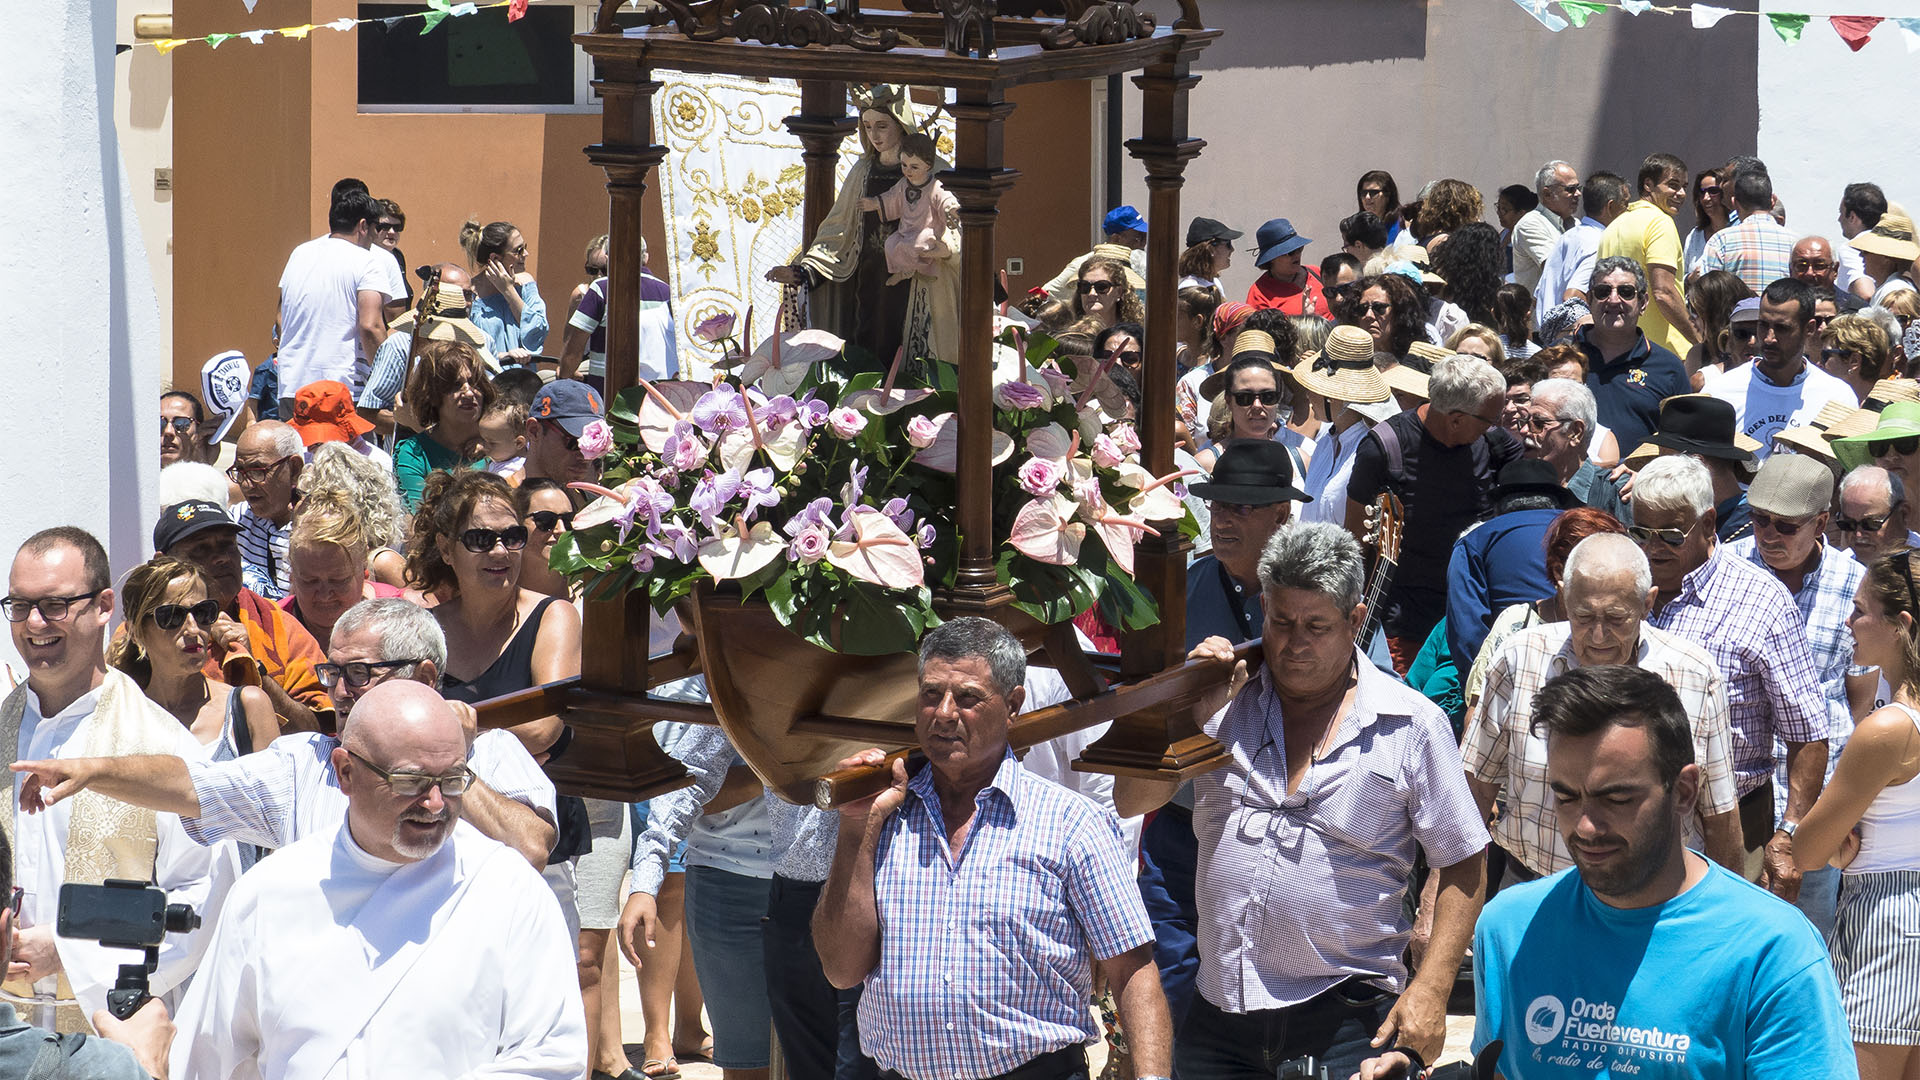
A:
[1123,219]
[1277,238]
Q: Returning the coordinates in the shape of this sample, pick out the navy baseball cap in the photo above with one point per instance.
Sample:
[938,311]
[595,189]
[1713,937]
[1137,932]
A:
[190,518]
[1123,218]
[569,403]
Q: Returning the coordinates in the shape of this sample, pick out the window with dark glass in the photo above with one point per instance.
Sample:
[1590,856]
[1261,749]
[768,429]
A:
[479,59]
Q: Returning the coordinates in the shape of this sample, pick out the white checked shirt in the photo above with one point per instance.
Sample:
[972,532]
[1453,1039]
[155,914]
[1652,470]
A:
[1299,892]
[984,953]
[1500,748]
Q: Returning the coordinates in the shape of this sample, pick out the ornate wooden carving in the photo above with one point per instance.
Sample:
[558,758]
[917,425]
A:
[1107,23]
[969,27]
[966,19]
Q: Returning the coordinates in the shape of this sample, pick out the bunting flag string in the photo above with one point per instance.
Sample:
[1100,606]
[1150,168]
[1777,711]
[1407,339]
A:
[1790,27]
[431,16]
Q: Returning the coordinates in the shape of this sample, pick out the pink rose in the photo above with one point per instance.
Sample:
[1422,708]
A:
[846,423]
[1040,476]
[921,432]
[595,440]
[1018,395]
[715,328]
[1127,439]
[1107,453]
[809,545]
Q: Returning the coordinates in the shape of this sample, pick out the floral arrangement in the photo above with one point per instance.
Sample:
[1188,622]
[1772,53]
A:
[831,496]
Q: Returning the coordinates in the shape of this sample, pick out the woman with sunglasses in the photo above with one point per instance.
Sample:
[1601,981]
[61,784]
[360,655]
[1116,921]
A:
[1867,822]
[1102,293]
[327,564]
[1855,350]
[164,646]
[1392,313]
[546,509]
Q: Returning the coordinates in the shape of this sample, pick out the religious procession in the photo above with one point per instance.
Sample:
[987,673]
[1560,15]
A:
[962,588]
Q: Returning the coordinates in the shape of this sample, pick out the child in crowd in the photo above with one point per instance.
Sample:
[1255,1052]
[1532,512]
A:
[503,434]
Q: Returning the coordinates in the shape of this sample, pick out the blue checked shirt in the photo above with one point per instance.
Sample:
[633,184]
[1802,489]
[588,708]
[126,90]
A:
[1756,249]
[984,957]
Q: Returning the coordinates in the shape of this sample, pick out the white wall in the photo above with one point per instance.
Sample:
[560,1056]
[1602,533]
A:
[82,436]
[143,117]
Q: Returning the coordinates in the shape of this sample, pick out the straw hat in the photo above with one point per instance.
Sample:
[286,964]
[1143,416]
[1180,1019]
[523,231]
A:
[1888,391]
[447,320]
[1812,438]
[1344,370]
[1256,343]
[1892,237]
[1402,379]
[1428,351]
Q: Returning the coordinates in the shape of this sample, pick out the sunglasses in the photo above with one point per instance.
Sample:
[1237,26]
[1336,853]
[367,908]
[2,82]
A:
[1902,446]
[1373,193]
[412,785]
[1784,526]
[180,424]
[174,616]
[358,673]
[1831,353]
[545,520]
[1750,334]
[1861,525]
[1801,266]
[1098,288]
[596,271]
[1378,307]
[521,250]
[571,442]
[1821,321]
[1244,398]
[1130,358]
[1624,292]
[52,608]
[390,226]
[1670,537]
[481,541]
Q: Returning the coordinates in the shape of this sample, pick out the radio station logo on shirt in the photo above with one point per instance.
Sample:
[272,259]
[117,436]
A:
[1588,1035]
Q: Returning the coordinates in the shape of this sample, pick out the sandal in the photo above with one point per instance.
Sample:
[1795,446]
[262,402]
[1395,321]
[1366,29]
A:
[703,1052]
[655,1069]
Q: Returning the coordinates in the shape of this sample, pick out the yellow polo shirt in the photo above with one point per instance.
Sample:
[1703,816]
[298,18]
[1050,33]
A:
[1646,234]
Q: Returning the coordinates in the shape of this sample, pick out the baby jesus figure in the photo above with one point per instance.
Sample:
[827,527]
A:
[920,209]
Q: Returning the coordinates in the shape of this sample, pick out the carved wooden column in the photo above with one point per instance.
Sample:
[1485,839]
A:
[821,125]
[977,181]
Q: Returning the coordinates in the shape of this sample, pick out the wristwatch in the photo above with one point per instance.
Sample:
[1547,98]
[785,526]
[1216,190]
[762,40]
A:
[1789,827]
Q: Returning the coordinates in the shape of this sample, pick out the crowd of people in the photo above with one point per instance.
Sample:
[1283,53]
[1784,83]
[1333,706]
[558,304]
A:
[1577,551]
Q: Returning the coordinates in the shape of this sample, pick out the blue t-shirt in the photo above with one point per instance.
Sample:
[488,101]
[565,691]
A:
[1724,980]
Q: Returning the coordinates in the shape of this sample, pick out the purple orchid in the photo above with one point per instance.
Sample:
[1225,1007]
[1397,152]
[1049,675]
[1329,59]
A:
[720,410]
[711,496]
[816,514]
[812,411]
[896,510]
[925,536]
[856,484]
[642,560]
[756,488]
[776,411]
[674,541]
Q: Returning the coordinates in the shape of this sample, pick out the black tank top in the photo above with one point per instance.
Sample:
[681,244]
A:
[512,671]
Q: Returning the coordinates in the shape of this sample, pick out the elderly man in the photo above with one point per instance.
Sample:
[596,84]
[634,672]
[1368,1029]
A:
[422,947]
[557,418]
[1560,422]
[59,603]
[182,434]
[290,790]
[1603,198]
[1538,231]
[1789,499]
[1813,262]
[1441,458]
[254,642]
[1872,518]
[1605,592]
[1755,248]
[1748,623]
[1338,775]
[1646,235]
[986,972]
[1682,969]
[1629,373]
[1780,388]
[266,466]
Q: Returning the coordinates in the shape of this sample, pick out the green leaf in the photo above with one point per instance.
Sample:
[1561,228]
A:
[873,621]
[779,596]
[1040,345]
[625,407]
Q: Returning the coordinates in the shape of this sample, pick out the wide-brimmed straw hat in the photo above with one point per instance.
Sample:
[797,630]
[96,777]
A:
[1343,370]
[1256,343]
[1812,437]
[1892,237]
[1402,379]
[1428,351]
[1900,420]
[1887,391]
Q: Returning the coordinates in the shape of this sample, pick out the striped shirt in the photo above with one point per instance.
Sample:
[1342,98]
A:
[263,554]
[984,953]
[1747,622]
[1500,747]
[1756,249]
[1299,892]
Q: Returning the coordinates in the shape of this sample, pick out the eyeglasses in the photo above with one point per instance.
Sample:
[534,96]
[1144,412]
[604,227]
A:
[1098,288]
[521,250]
[174,616]
[1880,447]
[1571,189]
[180,424]
[255,474]
[52,608]
[412,785]
[1861,525]
[545,520]
[481,541]
[1475,416]
[1624,292]
[1378,307]
[358,673]
[1799,265]
[1539,423]
[1244,398]
[1784,526]
[1670,537]
[390,226]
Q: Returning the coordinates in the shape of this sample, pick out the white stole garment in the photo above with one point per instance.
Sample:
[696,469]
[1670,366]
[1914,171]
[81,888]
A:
[330,964]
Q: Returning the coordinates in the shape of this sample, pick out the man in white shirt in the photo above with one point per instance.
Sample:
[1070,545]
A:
[423,948]
[1538,232]
[1780,389]
[332,295]
[1566,273]
[1861,206]
[59,603]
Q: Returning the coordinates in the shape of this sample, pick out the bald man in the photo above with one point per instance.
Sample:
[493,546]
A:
[423,947]
[266,465]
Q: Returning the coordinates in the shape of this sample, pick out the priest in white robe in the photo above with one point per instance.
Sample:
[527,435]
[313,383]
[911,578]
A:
[404,944]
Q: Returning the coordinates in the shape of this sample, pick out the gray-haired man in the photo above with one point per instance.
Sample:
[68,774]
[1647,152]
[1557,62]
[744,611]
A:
[1629,373]
[1535,234]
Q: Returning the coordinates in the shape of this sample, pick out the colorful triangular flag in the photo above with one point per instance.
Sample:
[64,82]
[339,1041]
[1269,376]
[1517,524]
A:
[1705,15]
[1910,30]
[297,33]
[1579,11]
[1854,29]
[343,24]
[1789,27]
[1636,7]
[458,10]
[250,5]
[517,10]
[438,9]
[1538,9]
[392,22]
[167,45]
[255,36]
[217,40]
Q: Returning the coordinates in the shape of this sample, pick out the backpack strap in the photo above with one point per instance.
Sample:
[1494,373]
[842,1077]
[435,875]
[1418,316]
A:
[51,1062]
[1396,457]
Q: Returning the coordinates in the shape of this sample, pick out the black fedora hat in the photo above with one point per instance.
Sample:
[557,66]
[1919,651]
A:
[1697,424]
[1251,472]
[1531,476]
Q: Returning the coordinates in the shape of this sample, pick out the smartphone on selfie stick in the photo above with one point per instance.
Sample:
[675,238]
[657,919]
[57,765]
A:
[124,914]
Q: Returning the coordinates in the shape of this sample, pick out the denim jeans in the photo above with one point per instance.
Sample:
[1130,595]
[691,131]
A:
[1820,898]
[817,1025]
[1168,852]
[725,913]
[1275,1044]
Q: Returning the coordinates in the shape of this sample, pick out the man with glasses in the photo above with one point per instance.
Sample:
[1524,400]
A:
[399,941]
[1780,388]
[584,341]
[1557,428]
[1872,519]
[254,641]
[1441,459]
[266,466]
[386,234]
[1789,499]
[59,604]
[1538,231]
[557,418]
[1569,267]
[1747,621]
[1629,373]
[291,789]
